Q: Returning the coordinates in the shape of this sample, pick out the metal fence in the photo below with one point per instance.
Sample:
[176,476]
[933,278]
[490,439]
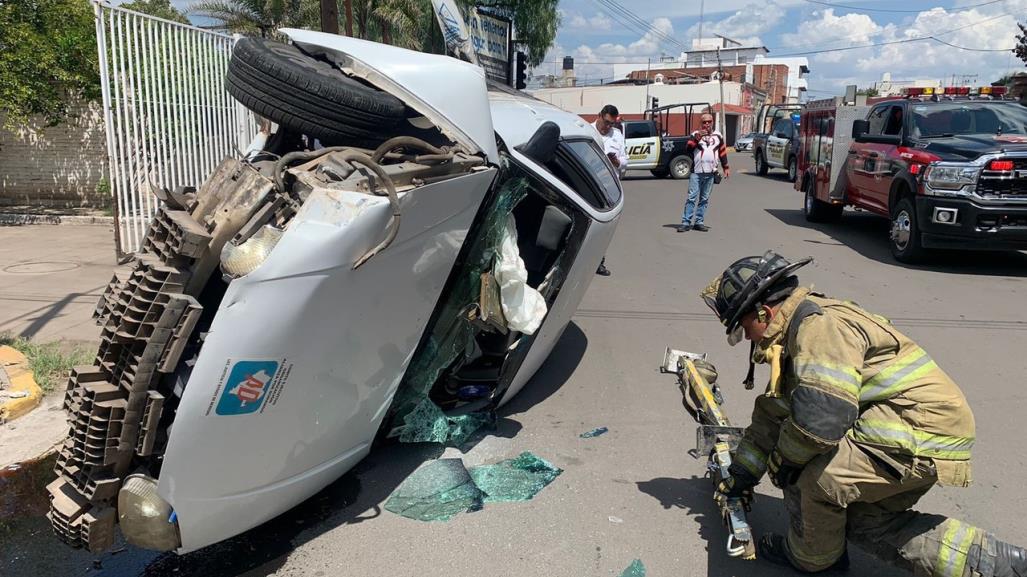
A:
[169,119]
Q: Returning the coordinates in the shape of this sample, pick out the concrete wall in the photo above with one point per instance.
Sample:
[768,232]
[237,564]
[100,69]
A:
[630,99]
[55,167]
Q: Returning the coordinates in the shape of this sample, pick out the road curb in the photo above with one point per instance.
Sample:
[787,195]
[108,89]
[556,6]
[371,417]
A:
[18,219]
[20,392]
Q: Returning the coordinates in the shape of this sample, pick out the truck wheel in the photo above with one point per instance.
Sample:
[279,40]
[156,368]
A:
[681,167]
[905,233]
[309,96]
[660,172]
[793,169]
[761,164]
[816,210]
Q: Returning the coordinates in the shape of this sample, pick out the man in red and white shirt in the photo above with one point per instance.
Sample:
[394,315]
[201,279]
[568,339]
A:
[709,151]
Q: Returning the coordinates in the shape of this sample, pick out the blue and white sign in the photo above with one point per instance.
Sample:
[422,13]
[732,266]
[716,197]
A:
[246,388]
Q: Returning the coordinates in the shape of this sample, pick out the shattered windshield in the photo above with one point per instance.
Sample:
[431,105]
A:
[955,118]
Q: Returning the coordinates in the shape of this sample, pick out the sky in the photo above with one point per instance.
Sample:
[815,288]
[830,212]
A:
[598,33]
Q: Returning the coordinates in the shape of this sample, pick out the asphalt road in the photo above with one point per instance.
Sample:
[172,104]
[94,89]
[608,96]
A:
[634,493]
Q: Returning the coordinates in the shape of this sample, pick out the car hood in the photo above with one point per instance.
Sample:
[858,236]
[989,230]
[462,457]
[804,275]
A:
[452,94]
[967,147]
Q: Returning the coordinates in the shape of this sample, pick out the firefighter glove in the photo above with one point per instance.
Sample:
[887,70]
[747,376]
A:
[738,486]
[782,471]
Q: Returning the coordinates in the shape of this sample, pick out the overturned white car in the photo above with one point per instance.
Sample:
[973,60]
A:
[396,257]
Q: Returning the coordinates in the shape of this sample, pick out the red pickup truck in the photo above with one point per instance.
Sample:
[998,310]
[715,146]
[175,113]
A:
[947,166]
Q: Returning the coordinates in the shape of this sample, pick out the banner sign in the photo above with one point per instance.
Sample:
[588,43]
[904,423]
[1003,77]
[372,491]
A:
[490,39]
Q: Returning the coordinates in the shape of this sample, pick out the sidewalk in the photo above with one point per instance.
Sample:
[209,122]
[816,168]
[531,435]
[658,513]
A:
[51,278]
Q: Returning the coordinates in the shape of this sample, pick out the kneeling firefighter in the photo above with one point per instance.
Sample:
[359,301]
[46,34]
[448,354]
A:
[857,424]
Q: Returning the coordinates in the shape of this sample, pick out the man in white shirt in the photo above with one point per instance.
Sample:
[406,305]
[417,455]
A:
[613,138]
[613,146]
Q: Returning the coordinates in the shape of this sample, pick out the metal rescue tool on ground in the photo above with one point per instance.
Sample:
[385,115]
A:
[715,438]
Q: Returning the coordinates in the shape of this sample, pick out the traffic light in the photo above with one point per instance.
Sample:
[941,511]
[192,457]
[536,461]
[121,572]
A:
[520,70]
[656,102]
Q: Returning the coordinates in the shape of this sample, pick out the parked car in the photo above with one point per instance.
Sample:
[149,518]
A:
[399,250]
[744,142]
[779,148]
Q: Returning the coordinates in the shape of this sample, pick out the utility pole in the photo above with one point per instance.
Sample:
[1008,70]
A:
[329,16]
[720,77]
[702,8]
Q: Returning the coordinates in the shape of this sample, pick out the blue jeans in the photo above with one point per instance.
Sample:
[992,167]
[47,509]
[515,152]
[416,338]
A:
[699,185]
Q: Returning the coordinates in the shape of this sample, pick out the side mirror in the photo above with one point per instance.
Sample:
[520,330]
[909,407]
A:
[541,147]
[859,129]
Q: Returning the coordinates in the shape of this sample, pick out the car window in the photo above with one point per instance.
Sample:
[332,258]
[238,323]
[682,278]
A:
[583,167]
[893,121]
[938,119]
[638,130]
[783,126]
[878,117]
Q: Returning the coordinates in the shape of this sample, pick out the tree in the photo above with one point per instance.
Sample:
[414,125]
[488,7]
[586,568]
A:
[869,92]
[159,8]
[48,57]
[1021,43]
[261,17]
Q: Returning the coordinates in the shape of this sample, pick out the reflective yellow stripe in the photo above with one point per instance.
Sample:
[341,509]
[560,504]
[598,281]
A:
[918,443]
[898,376]
[955,546]
[751,458]
[844,378]
[793,450]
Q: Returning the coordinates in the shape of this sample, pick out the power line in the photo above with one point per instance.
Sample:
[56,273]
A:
[972,49]
[629,19]
[861,9]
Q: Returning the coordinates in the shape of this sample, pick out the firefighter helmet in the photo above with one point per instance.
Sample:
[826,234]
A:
[748,283]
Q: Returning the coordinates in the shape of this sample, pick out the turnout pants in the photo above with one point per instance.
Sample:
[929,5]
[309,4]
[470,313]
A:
[848,494]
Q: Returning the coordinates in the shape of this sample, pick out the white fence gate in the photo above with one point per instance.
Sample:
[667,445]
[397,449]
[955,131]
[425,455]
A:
[169,119]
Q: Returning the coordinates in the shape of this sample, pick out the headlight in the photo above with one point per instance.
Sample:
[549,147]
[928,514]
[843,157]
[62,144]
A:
[241,259]
[146,520]
[951,177]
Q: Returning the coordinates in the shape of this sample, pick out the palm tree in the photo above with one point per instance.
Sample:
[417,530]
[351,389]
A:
[263,17]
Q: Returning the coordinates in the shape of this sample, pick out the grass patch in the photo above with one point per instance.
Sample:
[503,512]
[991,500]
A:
[51,362]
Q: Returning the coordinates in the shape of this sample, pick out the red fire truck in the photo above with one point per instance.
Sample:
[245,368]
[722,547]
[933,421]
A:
[947,166]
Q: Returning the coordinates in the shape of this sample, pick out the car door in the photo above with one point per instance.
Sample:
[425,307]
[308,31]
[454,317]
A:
[642,144]
[861,166]
[778,141]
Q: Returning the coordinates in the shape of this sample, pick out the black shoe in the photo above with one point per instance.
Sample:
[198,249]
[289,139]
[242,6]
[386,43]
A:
[684,227]
[701,227]
[772,547]
[602,270]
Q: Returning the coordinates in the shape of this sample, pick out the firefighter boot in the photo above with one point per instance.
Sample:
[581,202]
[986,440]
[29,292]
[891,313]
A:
[995,558]
[773,548]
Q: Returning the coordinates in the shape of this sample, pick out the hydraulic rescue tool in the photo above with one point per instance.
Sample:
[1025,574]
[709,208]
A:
[715,438]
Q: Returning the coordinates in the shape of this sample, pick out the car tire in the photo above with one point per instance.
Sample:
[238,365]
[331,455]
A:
[904,236]
[816,210]
[680,167]
[660,172]
[309,96]
[793,169]
[761,164]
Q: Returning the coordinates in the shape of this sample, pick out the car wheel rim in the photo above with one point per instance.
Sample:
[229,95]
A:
[681,169]
[791,170]
[900,230]
[808,204]
[759,163]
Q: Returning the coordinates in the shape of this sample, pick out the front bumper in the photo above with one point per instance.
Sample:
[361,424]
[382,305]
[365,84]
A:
[972,225]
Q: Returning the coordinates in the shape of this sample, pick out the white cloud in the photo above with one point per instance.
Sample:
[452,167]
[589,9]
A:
[745,25]
[575,21]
